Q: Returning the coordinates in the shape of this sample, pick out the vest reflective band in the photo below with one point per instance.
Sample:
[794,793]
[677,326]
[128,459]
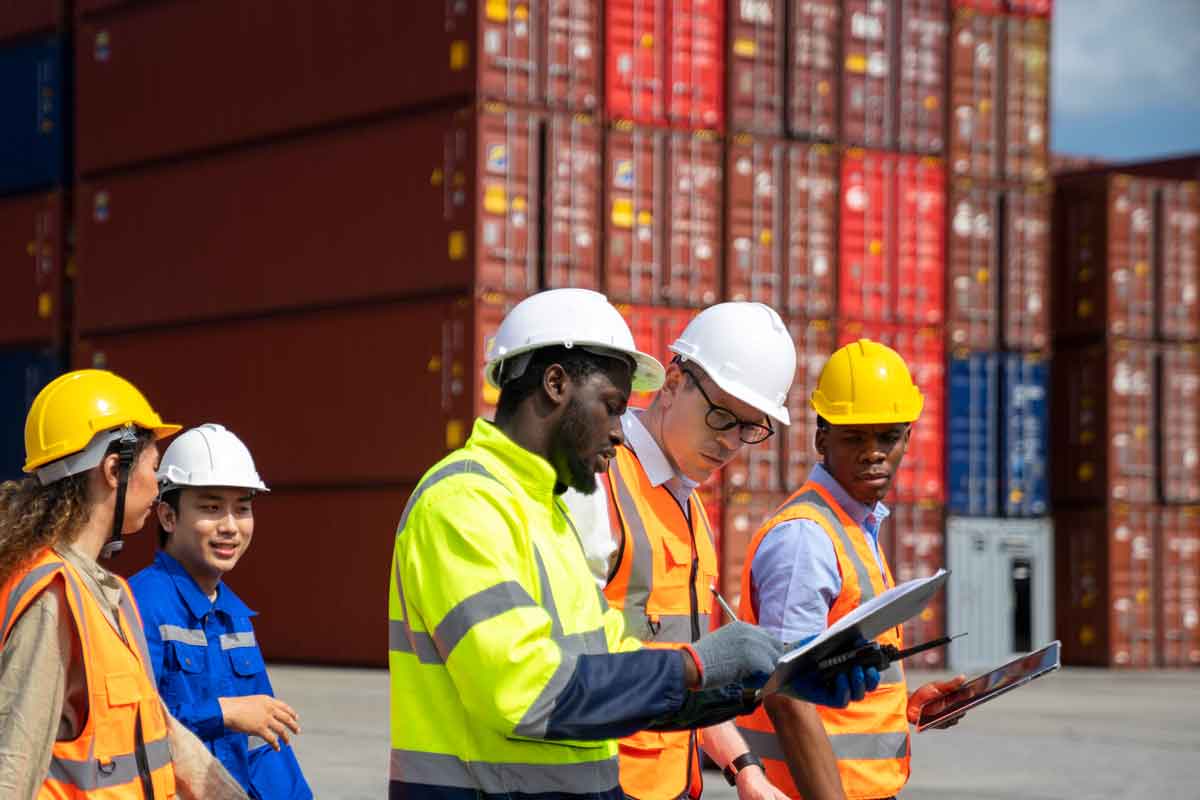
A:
[662,585]
[122,751]
[869,738]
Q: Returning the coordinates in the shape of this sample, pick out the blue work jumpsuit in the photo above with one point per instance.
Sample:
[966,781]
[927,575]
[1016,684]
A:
[202,650]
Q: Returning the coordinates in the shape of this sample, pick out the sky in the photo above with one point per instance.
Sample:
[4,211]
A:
[1125,78]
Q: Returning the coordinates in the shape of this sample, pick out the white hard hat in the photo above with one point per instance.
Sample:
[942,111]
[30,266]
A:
[747,351]
[571,318]
[208,455]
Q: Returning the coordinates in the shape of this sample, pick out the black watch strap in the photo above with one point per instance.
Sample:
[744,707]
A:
[740,763]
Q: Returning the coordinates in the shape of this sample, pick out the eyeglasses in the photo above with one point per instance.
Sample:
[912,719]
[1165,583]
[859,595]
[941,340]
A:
[720,418]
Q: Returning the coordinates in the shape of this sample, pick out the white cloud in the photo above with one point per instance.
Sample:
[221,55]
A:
[1123,55]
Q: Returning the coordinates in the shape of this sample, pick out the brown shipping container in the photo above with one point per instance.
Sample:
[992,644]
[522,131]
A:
[1027,99]
[435,203]
[976,47]
[868,111]
[756,59]
[31,252]
[757,467]
[1025,310]
[815,342]
[635,207]
[745,512]
[149,84]
[1179,423]
[695,204]
[913,542]
[755,230]
[282,381]
[921,78]
[1178,552]
[1104,257]
[813,68]
[812,245]
[1179,267]
[478,326]
[1105,423]
[574,175]
[972,290]
[1104,560]
[20,17]
[572,67]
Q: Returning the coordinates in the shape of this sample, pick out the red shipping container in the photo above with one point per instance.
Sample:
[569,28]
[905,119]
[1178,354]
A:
[814,344]
[487,312]
[572,67]
[635,41]
[745,512]
[755,229]
[1179,421]
[1104,423]
[282,379]
[696,64]
[868,108]
[1178,551]
[1027,100]
[1105,597]
[574,177]
[756,57]
[434,203]
[695,203]
[976,77]
[920,477]
[986,6]
[972,302]
[634,258]
[31,16]
[1025,312]
[921,78]
[32,242]
[913,541]
[1032,8]
[813,68]
[1179,269]
[758,467]
[812,213]
[892,228]
[655,328]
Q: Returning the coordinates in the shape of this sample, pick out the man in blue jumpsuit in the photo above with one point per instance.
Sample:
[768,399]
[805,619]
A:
[209,669]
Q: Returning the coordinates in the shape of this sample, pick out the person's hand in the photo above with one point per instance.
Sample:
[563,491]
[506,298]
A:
[753,784]
[849,684]
[737,653]
[260,715]
[930,691]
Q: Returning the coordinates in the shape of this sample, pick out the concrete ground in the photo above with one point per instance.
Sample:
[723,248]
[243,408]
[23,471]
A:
[1079,734]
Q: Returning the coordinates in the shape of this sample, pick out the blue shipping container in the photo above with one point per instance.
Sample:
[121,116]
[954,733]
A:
[972,438]
[33,128]
[1025,409]
[23,373]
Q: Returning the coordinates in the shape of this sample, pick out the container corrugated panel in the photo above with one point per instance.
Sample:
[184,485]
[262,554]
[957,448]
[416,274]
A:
[986,6]
[695,203]
[1179,423]
[299,372]
[814,344]
[1178,553]
[976,77]
[574,176]
[755,219]
[757,58]
[757,467]
[572,67]
[973,254]
[31,16]
[815,36]
[1105,423]
[31,251]
[635,39]
[812,246]
[921,77]
[745,512]
[1036,8]
[314,221]
[696,64]
[148,85]
[33,149]
[486,314]
[868,84]
[654,328]
[23,373]
[921,476]
[920,241]
[1179,267]
[1105,589]
[635,209]
[913,542]
[1025,311]
[973,452]
[1027,99]
[1025,432]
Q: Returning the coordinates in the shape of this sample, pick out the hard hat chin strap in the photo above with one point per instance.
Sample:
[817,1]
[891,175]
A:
[126,446]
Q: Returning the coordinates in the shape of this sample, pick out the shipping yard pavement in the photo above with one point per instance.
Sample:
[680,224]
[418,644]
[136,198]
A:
[1079,734]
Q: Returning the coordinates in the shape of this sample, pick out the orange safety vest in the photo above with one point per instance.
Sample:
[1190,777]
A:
[122,752]
[870,737]
[664,572]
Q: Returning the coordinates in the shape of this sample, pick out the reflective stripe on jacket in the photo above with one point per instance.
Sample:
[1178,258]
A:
[661,584]
[122,751]
[509,674]
[870,737]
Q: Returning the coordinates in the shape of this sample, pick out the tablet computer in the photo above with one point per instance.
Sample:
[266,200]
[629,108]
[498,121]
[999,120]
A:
[941,710]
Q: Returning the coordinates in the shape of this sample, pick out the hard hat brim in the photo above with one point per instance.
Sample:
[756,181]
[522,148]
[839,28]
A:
[648,373]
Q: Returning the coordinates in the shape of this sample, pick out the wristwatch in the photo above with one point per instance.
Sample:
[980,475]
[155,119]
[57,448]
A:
[746,759]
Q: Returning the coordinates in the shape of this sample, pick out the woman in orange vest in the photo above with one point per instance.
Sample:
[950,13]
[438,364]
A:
[81,715]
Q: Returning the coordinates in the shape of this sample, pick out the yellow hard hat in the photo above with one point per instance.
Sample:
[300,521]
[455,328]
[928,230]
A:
[866,383]
[75,417]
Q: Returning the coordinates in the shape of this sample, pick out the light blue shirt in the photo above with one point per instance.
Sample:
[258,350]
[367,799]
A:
[794,578]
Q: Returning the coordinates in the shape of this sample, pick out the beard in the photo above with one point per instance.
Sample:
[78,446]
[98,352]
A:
[570,440]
